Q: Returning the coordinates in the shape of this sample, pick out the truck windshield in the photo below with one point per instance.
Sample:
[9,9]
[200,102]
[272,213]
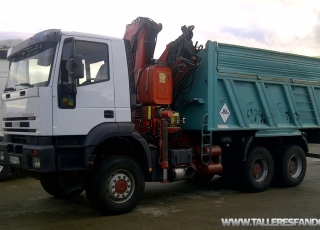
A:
[31,67]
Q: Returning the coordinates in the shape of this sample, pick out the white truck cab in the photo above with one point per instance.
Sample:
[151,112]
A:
[48,98]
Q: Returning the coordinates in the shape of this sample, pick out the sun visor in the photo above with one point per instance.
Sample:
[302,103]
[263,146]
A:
[52,35]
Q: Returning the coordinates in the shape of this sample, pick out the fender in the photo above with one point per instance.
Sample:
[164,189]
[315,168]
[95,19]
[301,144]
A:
[295,136]
[145,146]
[106,130]
[245,147]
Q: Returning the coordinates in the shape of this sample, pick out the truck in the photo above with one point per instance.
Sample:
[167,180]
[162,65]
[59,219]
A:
[93,113]
[4,69]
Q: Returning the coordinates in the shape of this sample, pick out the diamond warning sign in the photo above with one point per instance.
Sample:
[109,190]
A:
[224,113]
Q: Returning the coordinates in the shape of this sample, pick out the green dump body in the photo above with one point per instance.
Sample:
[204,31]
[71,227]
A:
[241,88]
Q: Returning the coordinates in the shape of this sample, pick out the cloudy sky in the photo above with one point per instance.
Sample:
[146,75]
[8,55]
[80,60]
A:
[283,25]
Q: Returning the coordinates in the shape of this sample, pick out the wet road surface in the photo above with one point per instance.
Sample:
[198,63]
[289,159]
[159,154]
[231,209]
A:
[180,205]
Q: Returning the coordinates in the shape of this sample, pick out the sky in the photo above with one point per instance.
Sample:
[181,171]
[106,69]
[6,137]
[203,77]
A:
[291,26]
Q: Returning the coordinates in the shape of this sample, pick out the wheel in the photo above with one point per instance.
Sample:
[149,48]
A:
[50,183]
[291,166]
[4,171]
[117,186]
[258,171]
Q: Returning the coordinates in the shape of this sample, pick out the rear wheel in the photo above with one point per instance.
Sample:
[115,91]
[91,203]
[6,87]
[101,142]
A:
[117,186]
[258,170]
[290,166]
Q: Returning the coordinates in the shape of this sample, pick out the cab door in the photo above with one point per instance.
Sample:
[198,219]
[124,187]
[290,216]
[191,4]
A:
[81,104]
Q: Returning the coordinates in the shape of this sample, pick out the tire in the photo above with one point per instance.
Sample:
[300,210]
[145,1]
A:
[258,170]
[4,172]
[50,183]
[290,165]
[116,187]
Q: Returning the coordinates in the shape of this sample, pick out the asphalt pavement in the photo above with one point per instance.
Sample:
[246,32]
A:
[180,205]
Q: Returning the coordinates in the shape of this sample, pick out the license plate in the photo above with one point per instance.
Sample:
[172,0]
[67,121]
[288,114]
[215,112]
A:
[14,160]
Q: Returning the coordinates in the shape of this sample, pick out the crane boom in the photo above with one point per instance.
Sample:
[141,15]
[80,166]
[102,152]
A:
[180,55]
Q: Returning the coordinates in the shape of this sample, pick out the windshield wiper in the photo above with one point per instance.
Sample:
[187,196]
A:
[25,84]
[10,89]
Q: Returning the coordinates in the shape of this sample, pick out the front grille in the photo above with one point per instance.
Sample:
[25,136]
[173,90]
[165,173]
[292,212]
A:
[19,119]
[20,130]
[21,124]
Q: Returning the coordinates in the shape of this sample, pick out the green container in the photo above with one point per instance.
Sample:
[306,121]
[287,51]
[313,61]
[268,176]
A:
[241,88]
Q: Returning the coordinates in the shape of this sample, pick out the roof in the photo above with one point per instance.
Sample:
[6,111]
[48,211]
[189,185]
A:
[79,34]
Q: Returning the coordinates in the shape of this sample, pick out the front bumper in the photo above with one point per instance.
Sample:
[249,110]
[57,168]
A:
[28,157]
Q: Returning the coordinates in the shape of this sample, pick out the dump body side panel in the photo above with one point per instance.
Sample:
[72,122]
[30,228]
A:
[253,89]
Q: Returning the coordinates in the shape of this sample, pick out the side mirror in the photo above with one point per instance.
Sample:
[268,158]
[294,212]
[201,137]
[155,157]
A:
[76,67]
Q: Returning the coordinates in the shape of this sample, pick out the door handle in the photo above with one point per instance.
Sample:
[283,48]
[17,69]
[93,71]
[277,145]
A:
[108,114]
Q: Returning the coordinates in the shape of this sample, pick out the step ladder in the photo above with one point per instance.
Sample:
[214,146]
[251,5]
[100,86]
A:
[206,139]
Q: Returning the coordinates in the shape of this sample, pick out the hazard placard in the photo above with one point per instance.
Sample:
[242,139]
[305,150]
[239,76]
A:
[224,113]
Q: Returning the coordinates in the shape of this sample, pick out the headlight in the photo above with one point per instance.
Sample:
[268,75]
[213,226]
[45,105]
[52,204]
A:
[35,162]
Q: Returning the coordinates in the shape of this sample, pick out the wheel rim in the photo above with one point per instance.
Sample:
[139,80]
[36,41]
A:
[120,186]
[1,167]
[295,166]
[260,169]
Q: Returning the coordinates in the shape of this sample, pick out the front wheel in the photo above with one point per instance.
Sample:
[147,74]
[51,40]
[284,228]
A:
[117,186]
[291,166]
[4,171]
[50,183]
[258,171]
